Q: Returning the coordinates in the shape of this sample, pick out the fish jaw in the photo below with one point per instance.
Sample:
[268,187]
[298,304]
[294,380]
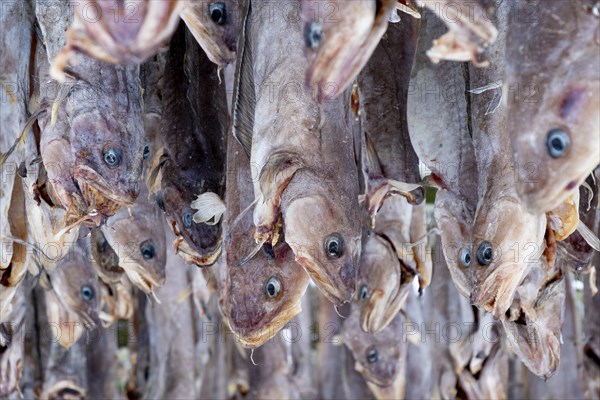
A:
[92,184]
[190,256]
[207,34]
[200,243]
[308,221]
[256,338]
[141,277]
[378,259]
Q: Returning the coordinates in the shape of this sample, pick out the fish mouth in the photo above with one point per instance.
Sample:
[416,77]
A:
[142,278]
[64,389]
[374,318]
[336,292]
[370,377]
[496,293]
[218,54]
[254,339]
[190,256]
[98,193]
[537,347]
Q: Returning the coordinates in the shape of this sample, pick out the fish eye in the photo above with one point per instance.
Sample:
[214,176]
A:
[313,34]
[112,157]
[364,292]
[146,151]
[272,287]
[372,355]
[334,246]
[218,12]
[187,219]
[87,292]
[557,142]
[465,257]
[147,250]
[485,253]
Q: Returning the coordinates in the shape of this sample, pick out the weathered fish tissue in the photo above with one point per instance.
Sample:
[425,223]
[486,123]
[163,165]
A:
[295,199]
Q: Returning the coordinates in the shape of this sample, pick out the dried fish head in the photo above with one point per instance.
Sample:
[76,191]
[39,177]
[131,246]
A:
[140,243]
[203,240]
[506,242]
[378,286]
[216,26]
[552,91]
[263,295]
[340,36]
[76,285]
[454,218]
[325,240]
[125,31]
[378,356]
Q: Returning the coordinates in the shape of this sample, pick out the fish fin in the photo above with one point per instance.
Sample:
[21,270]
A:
[277,172]
[20,141]
[407,7]
[589,236]
[244,96]
[210,208]
[244,260]
[370,160]
[151,181]
[239,218]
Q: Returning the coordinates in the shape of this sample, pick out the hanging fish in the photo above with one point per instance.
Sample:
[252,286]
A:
[194,137]
[302,155]
[258,298]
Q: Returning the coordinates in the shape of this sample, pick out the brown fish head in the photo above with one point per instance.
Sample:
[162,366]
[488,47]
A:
[76,285]
[121,32]
[378,356]
[506,241]
[340,36]
[378,283]
[324,234]
[140,243]
[558,148]
[263,294]
[203,240]
[106,260]
[216,26]
[454,218]
[533,325]
[108,157]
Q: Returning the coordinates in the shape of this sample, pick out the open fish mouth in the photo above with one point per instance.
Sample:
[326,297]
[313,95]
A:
[496,293]
[538,348]
[64,389]
[190,256]
[142,278]
[252,338]
[96,191]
